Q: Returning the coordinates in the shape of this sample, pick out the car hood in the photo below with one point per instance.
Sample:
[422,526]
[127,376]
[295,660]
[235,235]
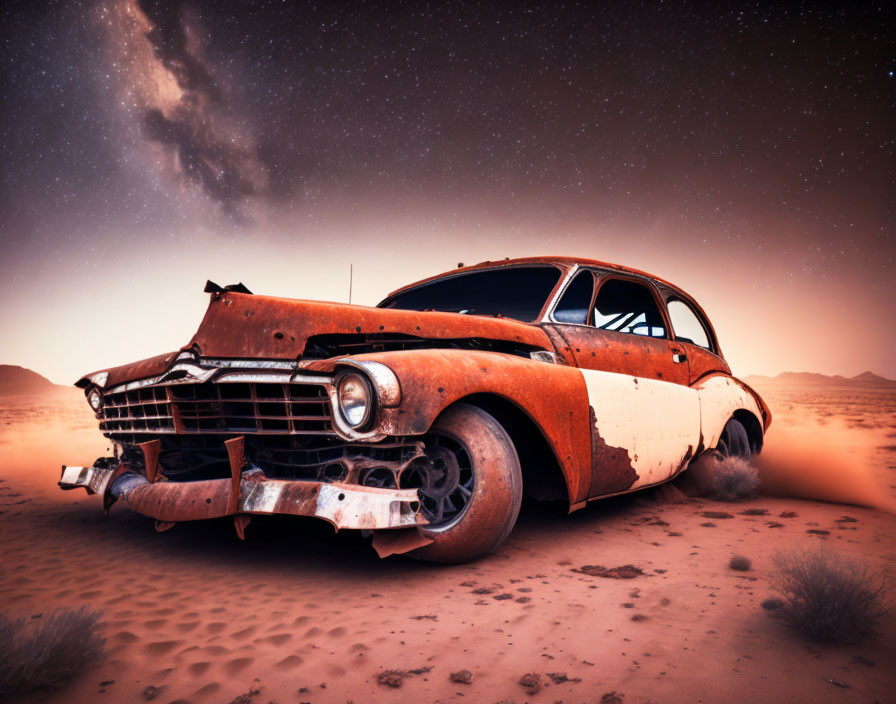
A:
[243,325]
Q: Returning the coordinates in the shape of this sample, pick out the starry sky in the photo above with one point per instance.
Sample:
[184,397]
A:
[745,151]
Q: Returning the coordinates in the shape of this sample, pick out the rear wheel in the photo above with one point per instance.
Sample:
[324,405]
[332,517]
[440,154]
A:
[734,441]
[470,485]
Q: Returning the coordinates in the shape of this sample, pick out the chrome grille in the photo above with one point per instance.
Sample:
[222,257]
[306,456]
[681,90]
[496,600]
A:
[218,408]
[138,411]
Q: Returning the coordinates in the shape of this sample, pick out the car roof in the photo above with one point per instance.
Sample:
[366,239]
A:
[564,262]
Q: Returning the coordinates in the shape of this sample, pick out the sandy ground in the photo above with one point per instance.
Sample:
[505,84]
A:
[308,616]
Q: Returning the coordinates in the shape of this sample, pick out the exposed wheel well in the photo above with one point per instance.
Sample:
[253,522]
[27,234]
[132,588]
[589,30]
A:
[753,427]
[542,477]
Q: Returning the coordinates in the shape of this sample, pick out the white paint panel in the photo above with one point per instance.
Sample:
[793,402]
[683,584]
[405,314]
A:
[262,497]
[92,478]
[720,397]
[656,421]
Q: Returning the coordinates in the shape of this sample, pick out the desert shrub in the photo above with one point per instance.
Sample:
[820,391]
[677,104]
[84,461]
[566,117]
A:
[44,656]
[828,596]
[740,563]
[734,479]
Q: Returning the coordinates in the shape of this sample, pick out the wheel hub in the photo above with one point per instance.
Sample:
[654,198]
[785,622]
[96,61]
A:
[437,476]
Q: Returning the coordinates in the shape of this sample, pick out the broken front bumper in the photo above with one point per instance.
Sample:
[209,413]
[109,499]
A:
[343,505]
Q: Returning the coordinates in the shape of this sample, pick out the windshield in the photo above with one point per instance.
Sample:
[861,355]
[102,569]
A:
[511,292]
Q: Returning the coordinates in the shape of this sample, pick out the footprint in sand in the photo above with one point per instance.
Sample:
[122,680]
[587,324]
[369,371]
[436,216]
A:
[188,626]
[198,668]
[210,688]
[126,637]
[245,632]
[161,647]
[277,640]
[289,662]
[313,632]
[337,632]
[216,651]
[155,623]
[301,621]
[215,628]
[237,665]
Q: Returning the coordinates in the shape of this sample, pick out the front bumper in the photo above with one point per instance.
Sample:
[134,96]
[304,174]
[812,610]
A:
[343,505]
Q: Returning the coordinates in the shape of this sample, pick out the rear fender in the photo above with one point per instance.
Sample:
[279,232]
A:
[720,396]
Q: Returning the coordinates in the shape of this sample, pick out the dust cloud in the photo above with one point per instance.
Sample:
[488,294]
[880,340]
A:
[826,463]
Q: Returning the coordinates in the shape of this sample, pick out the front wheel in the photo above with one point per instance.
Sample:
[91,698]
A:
[471,486]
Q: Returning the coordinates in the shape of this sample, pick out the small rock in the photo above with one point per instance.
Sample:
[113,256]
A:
[461,676]
[531,682]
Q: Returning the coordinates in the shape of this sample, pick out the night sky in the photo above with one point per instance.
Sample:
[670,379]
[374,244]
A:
[747,152]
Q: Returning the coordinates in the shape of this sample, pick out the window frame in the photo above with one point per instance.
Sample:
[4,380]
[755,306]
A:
[601,276]
[574,274]
[671,294]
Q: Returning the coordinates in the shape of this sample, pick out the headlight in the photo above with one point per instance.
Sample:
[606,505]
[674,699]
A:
[355,399]
[95,399]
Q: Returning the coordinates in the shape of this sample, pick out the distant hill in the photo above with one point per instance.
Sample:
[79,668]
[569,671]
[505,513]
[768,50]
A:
[18,381]
[863,380]
[871,378]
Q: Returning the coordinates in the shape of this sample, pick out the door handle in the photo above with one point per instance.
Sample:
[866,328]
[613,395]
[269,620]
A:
[679,357]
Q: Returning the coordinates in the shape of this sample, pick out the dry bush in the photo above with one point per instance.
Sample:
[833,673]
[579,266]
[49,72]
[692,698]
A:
[828,596]
[740,563]
[44,657]
[734,479]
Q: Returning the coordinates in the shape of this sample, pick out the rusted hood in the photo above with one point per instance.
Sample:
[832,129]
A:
[128,372]
[244,325]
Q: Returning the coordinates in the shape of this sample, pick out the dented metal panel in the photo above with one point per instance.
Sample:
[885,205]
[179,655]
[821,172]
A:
[277,328]
[720,396]
[655,422]
[91,478]
[343,505]
[621,353]
[552,395]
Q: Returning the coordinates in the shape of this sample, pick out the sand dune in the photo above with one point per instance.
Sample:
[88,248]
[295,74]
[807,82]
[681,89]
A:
[297,613]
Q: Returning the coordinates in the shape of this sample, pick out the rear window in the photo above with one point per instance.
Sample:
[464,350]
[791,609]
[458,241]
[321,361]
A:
[512,292]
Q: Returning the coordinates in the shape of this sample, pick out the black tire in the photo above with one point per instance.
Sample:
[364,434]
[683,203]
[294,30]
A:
[497,488]
[734,441]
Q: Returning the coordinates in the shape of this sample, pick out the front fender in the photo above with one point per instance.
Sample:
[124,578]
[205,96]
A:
[553,396]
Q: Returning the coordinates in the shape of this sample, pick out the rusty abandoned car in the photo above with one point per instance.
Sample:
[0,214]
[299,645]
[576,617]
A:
[425,419]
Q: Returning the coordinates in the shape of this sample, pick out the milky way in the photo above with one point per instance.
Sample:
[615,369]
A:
[173,94]
[754,137]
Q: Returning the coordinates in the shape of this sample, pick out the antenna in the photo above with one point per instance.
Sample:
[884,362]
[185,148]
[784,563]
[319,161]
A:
[351,273]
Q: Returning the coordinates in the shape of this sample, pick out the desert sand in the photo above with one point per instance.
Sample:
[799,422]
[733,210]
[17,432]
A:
[297,613]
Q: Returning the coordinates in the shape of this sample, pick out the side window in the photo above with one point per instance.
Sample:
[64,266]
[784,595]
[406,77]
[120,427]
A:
[628,306]
[573,305]
[686,324]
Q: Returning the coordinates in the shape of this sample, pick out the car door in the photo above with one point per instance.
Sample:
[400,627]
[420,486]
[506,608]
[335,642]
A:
[645,418]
